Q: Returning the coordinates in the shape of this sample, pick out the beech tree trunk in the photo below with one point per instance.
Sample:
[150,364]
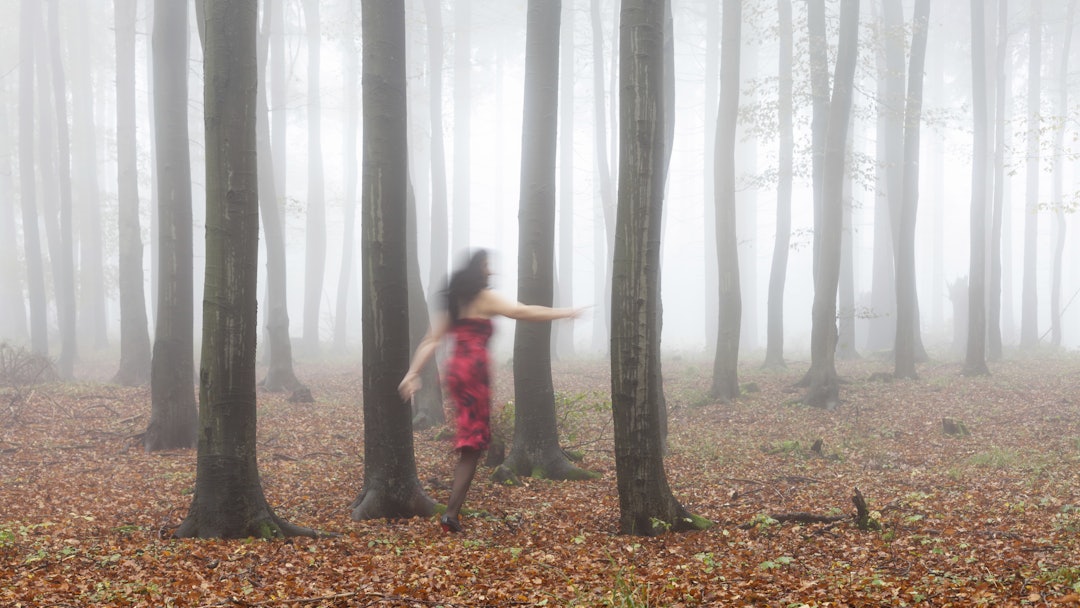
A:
[824,384]
[975,358]
[315,235]
[427,405]
[391,487]
[606,210]
[1029,298]
[774,349]
[994,340]
[350,73]
[29,24]
[172,378]
[462,126]
[646,503]
[535,450]
[12,309]
[1058,198]
[440,213]
[563,335]
[725,378]
[134,333]
[229,500]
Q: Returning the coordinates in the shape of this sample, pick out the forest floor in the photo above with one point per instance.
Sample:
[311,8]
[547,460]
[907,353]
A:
[991,518]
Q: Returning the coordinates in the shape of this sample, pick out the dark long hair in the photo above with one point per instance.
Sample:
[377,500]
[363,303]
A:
[466,283]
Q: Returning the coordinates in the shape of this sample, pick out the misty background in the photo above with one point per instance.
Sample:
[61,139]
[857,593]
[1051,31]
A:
[481,76]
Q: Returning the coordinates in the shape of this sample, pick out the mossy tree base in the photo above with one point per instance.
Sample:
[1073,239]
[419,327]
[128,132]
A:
[392,503]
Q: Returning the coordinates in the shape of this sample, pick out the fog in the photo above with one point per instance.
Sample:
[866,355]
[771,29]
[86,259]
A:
[481,175]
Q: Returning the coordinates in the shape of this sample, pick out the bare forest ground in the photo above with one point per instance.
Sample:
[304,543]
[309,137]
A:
[990,518]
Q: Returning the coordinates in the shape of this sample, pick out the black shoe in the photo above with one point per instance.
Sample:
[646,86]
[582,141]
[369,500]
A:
[450,524]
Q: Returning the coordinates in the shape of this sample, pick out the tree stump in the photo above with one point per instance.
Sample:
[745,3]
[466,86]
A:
[954,428]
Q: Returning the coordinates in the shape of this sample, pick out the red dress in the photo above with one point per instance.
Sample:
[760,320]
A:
[469,384]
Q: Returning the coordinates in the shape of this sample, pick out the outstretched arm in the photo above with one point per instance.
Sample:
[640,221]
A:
[493,304]
[411,382]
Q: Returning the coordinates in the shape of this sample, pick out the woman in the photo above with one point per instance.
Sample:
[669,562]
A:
[470,306]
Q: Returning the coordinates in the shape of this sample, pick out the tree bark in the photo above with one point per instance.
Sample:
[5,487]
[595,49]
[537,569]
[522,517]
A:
[173,413]
[710,282]
[440,218]
[774,349]
[908,343]
[647,505]
[391,487]
[427,405]
[994,340]
[1057,198]
[134,333]
[30,20]
[563,335]
[535,451]
[350,72]
[315,235]
[606,211]
[725,379]
[1029,299]
[229,500]
[824,384]
[462,127]
[12,309]
[975,358]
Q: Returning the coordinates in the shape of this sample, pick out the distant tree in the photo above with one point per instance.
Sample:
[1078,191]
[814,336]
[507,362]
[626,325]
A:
[280,375]
[994,314]
[606,210]
[172,413]
[229,500]
[975,359]
[63,253]
[134,333]
[350,73]
[774,349]
[712,99]
[462,125]
[822,379]
[29,24]
[1058,198]
[535,450]
[908,343]
[647,505]
[427,403]
[12,307]
[563,336]
[315,235]
[1029,298]
[391,487]
[440,220]
[725,378]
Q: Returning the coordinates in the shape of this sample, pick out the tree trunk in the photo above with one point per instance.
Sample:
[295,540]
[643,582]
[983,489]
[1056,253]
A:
[647,505]
[173,413]
[846,339]
[12,310]
[315,235]
[134,334]
[535,451]
[391,487]
[1058,199]
[229,500]
[350,72]
[30,19]
[427,405]
[908,343]
[819,85]
[462,126]
[440,219]
[278,108]
[91,307]
[725,379]
[64,263]
[563,335]
[824,384]
[606,211]
[774,349]
[709,279]
[279,374]
[975,359]
[994,335]
[1029,299]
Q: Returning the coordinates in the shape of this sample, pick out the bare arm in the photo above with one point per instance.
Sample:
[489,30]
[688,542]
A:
[492,304]
[411,382]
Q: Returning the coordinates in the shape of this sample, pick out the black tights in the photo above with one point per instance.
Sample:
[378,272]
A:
[468,460]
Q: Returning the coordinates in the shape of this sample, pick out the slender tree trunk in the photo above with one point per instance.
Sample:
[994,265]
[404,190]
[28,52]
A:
[647,505]
[819,85]
[907,315]
[995,297]
[563,335]
[975,360]
[315,236]
[391,487]
[536,450]
[64,264]
[824,384]
[12,309]
[427,405]
[462,126]
[440,219]
[134,334]
[350,72]
[711,272]
[725,379]
[846,348]
[279,374]
[229,500]
[30,20]
[278,101]
[1029,313]
[1058,200]
[774,350]
[173,412]
[606,211]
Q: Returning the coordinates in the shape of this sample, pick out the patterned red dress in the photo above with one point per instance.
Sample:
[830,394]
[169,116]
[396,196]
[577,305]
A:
[469,384]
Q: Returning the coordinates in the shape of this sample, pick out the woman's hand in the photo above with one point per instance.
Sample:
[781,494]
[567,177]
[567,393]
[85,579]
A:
[409,385]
